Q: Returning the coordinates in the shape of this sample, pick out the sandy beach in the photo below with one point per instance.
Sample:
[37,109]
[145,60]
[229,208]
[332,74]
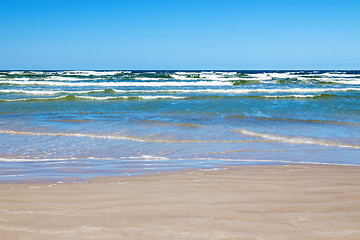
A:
[248,202]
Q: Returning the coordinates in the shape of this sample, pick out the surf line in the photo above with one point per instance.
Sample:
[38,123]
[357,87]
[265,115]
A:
[128,138]
[296,140]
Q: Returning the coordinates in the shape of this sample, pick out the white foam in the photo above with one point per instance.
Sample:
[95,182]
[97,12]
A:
[260,76]
[119,84]
[73,135]
[148,79]
[49,92]
[350,81]
[147,158]
[69,79]
[93,73]
[271,161]
[35,159]
[230,91]
[282,75]
[345,81]
[160,97]
[126,97]
[186,73]
[239,91]
[213,76]
[339,75]
[16,72]
[31,99]
[296,140]
[118,137]
[292,96]
[32,92]
[244,90]
[15,79]
[179,77]
[252,90]
[94,98]
[318,79]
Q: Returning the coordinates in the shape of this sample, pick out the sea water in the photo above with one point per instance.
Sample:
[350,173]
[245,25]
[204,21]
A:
[80,124]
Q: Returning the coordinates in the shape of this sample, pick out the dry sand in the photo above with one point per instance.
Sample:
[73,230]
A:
[260,202]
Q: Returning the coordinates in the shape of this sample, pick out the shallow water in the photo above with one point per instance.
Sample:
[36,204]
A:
[79,124]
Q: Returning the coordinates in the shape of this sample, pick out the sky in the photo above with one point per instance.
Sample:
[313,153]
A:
[179,34]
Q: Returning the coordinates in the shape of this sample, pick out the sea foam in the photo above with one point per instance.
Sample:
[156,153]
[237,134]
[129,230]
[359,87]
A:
[296,140]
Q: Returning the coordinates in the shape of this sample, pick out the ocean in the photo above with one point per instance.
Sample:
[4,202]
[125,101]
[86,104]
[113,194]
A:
[72,125]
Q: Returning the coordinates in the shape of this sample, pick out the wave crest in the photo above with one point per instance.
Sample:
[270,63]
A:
[296,140]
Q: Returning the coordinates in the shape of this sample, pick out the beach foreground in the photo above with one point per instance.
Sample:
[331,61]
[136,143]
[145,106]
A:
[248,202]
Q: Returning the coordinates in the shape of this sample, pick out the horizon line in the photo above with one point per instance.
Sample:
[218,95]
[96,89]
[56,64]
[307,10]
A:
[5,70]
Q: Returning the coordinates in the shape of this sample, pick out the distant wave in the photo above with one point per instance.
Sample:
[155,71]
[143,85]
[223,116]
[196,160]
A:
[200,75]
[74,98]
[93,73]
[179,81]
[118,84]
[213,91]
[301,96]
[54,92]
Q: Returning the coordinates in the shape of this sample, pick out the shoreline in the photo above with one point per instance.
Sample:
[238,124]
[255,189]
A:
[84,180]
[243,202]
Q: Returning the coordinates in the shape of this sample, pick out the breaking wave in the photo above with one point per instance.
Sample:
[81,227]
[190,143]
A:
[296,140]
[119,137]
[117,84]
[74,98]
[208,90]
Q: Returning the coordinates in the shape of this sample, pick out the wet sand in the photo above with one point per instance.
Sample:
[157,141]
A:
[249,202]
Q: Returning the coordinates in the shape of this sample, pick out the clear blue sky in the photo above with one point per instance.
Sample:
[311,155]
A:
[181,34]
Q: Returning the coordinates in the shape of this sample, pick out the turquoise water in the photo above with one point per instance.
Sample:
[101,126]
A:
[71,125]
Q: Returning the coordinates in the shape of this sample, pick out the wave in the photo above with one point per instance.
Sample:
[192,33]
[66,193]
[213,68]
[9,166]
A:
[130,97]
[143,158]
[93,73]
[343,81]
[74,98]
[267,137]
[169,81]
[213,91]
[119,137]
[300,96]
[32,92]
[334,122]
[149,97]
[53,92]
[291,96]
[68,73]
[271,90]
[66,78]
[264,75]
[340,75]
[150,159]
[118,84]
[296,140]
